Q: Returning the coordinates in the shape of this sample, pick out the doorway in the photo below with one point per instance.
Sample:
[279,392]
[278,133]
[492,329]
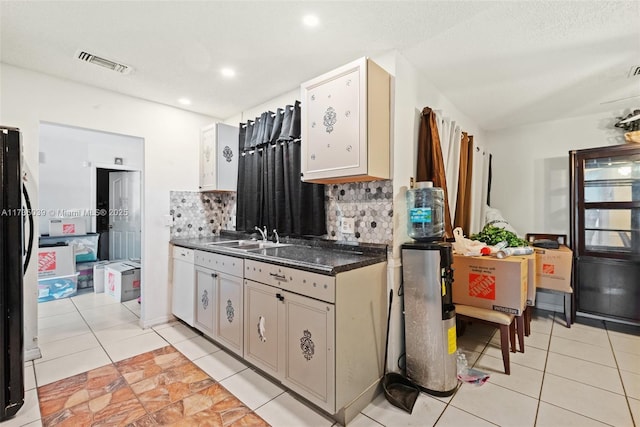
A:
[118,219]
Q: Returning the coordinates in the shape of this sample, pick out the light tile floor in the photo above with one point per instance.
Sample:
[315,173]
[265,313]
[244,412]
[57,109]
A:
[588,375]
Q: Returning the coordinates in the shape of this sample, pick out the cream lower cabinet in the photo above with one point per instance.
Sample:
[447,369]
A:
[321,336]
[219,299]
[292,337]
[205,282]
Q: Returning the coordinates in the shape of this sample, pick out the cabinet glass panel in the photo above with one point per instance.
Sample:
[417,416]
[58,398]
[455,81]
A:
[610,219]
[612,179]
[608,241]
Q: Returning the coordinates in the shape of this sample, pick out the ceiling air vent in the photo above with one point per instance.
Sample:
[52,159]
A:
[106,63]
[635,71]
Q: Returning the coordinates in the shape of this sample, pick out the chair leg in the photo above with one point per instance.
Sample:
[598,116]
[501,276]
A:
[520,330]
[512,336]
[567,308]
[504,345]
[527,321]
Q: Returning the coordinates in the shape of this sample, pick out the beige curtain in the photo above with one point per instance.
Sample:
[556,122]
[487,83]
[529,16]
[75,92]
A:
[463,204]
[430,164]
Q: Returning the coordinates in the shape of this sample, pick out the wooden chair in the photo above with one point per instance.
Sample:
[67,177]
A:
[505,322]
[568,296]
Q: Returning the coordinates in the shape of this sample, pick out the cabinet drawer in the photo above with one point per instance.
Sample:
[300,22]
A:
[302,282]
[184,254]
[220,263]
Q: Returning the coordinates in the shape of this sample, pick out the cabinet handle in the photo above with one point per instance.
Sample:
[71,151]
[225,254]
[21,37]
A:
[261,329]
[183,254]
[279,276]
[214,275]
[280,297]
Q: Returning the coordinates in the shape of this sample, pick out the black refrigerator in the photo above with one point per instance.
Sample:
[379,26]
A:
[11,272]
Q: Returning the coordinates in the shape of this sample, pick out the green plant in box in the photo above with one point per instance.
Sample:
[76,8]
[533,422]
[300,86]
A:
[492,235]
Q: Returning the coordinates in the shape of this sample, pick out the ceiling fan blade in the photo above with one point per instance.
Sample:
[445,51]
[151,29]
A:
[620,99]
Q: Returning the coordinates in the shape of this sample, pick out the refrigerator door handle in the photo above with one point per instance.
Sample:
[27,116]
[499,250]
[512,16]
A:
[28,245]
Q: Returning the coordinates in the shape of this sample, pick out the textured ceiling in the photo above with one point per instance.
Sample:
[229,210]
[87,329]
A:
[502,63]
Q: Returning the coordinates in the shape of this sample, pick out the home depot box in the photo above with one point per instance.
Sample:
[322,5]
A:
[55,261]
[67,226]
[98,276]
[122,280]
[492,283]
[532,281]
[553,268]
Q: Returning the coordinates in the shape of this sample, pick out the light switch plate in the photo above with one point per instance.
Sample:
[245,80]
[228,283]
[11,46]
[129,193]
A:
[347,226]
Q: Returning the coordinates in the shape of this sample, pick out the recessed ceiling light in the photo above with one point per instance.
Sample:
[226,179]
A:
[310,20]
[184,101]
[227,72]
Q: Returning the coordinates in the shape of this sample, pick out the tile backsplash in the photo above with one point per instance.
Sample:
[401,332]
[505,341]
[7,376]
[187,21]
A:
[370,204]
[198,214]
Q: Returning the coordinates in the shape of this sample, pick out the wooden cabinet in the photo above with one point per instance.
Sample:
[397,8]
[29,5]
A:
[219,158]
[346,124]
[219,299]
[309,342]
[321,336]
[263,337]
[184,282]
[205,305]
[229,322]
[605,231]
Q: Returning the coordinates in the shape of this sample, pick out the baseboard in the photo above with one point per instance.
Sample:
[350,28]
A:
[157,321]
[32,354]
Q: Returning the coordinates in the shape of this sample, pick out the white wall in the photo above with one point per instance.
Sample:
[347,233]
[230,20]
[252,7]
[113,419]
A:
[530,184]
[171,141]
[68,156]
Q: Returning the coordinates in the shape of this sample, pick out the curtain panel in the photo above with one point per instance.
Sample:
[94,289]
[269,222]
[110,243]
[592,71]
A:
[270,191]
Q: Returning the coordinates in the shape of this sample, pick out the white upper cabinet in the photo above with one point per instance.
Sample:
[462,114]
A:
[219,158]
[346,125]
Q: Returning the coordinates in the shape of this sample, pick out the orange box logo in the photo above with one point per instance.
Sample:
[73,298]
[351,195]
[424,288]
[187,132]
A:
[46,261]
[482,286]
[548,268]
[112,282]
[68,228]
[136,284]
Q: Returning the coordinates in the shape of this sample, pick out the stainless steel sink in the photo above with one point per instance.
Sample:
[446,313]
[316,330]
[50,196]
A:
[246,245]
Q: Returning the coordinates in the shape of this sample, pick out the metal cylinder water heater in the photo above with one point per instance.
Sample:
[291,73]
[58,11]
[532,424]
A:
[429,313]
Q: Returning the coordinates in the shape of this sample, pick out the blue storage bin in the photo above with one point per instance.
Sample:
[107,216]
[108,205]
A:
[57,287]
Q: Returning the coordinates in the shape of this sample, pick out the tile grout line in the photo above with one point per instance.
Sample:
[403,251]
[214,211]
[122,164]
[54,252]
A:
[544,370]
[615,359]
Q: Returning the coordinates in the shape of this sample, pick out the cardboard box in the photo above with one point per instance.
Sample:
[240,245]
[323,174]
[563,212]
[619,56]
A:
[98,276]
[532,281]
[122,280]
[67,226]
[56,261]
[553,268]
[85,246]
[492,283]
[53,288]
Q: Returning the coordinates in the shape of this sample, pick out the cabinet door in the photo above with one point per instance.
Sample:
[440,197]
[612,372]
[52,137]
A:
[227,157]
[309,346]
[208,158]
[229,312]
[334,123]
[263,326]
[183,301]
[205,299]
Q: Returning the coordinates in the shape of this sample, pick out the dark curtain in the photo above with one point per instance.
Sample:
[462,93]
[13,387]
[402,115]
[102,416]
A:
[272,193]
[465,174]
[430,163]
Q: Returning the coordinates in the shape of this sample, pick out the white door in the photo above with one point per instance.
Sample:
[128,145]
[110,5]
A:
[125,222]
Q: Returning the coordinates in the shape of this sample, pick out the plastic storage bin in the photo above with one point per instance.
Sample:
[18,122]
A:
[57,287]
[85,246]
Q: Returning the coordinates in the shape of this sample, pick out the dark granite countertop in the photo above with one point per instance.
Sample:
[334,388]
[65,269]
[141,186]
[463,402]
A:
[316,255]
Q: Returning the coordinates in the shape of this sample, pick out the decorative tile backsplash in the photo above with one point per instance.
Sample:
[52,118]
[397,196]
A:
[198,214]
[369,203]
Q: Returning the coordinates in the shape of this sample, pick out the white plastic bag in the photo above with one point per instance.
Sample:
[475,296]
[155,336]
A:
[464,246]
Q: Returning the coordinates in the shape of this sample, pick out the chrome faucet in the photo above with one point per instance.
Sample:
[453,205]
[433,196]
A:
[262,233]
[277,237]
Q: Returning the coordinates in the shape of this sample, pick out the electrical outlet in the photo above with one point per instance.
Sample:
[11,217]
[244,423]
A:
[348,226]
